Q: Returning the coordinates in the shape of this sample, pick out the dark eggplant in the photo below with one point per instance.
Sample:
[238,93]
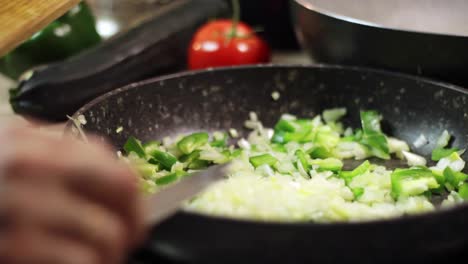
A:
[155,47]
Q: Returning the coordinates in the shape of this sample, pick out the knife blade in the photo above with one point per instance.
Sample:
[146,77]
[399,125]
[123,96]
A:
[163,204]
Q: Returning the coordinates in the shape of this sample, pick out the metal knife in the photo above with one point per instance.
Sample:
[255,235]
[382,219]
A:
[165,203]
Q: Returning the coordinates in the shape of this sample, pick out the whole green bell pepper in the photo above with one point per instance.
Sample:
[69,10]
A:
[69,35]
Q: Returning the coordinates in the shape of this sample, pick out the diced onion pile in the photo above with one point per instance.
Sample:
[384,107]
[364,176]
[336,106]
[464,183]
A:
[294,171]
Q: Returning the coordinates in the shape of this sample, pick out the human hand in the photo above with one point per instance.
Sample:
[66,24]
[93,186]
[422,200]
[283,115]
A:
[64,201]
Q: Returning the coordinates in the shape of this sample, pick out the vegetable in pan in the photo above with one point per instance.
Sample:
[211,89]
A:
[296,170]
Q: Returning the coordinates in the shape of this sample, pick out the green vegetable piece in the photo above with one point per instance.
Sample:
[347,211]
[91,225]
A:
[428,194]
[453,178]
[361,169]
[297,137]
[349,139]
[279,148]
[304,124]
[189,143]
[164,158]
[151,146]
[370,121]
[440,153]
[236,153]
[334,114]
[372,136]
[358,135]
[327,139]
[302,158]
[198,164]
[170,178]
[439,175]
[413,181]
[193,161]
[285,125]
[463,191]
[358,192]
[134,145]
[278,137]
[167,179]
[188,158]
[263,159]
[292,130]
[377,144]
[349,175]
[220,142]
[147,170]
[329,164]
[319,152]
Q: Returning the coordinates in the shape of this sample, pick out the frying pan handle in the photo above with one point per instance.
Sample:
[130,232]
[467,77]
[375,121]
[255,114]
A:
[156,47]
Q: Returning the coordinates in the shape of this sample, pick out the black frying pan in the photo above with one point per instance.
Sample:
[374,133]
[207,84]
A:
[424,37]
[221,99]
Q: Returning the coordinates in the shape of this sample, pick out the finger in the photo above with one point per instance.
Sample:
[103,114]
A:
[17,142]
[34,246]
[88,168]
[66,215]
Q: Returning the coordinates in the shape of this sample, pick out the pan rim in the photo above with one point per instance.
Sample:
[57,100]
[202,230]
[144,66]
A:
[440,213]
[365,23]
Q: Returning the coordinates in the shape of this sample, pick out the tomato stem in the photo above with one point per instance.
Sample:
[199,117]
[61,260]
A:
[235,18]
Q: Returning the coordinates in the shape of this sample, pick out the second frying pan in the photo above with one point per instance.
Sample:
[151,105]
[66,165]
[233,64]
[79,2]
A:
[423,37]
[221,99]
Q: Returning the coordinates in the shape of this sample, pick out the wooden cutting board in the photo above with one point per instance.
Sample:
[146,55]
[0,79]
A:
[20,19]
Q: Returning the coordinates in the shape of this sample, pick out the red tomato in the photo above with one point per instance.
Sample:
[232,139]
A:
[212,46]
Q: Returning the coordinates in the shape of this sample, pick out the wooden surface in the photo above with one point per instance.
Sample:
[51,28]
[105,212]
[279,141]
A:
[20,19]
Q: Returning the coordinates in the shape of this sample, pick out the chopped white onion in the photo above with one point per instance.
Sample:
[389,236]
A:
[348,132]
[244,144]
[269,133]
[288,117]
[453,161]
[397,146]
[233,132]
[82,119]
[443,140]
[253,116]
[275,95]
[414,159]
[420,141]
[332,115]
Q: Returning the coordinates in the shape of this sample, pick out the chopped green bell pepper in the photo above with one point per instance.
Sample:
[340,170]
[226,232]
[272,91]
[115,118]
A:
[440,153]
[191,142]
[219,140]
[454,178]
[302,159]
[412,181]
[263,159]
[134,145]
[329,164]
[372,136]
[164,158]
[463,192]
[361,169]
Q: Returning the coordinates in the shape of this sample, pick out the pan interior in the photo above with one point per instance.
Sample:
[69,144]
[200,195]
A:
[428,16]
[218,100]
